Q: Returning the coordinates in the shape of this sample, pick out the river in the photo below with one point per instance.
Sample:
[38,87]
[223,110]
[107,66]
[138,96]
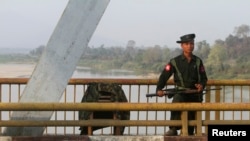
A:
[12,70]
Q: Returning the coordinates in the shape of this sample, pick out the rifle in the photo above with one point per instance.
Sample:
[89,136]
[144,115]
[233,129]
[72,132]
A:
[173,91]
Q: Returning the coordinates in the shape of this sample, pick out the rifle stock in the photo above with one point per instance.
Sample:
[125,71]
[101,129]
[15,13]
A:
[176,91]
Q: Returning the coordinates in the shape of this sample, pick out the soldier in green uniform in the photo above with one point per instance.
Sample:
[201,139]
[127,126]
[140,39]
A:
[188,72]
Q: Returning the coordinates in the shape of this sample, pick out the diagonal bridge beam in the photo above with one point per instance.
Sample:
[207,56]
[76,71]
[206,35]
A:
[58,61]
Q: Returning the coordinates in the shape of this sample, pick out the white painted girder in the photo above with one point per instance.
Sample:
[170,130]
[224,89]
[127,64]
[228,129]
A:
[58,61]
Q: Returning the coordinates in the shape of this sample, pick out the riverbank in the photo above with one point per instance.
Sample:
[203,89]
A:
[16,70]
[12,70]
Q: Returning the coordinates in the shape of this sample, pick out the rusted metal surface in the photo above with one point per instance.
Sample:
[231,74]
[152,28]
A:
[14,80]
[118,81]
[126,138]
[51,138]
[93,106]
[222,82]
[185,138]
[99,122]
[106,138]
[234,82]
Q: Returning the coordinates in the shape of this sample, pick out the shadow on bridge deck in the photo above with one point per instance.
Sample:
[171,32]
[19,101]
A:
[103,138]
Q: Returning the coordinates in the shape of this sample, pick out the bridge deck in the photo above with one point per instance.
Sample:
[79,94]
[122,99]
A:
[104,138]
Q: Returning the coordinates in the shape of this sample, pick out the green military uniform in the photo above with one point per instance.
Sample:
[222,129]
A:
[186,74]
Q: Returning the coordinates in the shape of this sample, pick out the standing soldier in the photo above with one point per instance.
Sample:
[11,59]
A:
[189,73]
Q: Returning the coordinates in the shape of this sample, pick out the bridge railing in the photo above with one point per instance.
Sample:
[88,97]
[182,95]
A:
[149,116]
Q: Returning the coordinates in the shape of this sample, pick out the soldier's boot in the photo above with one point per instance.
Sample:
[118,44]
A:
[190,130]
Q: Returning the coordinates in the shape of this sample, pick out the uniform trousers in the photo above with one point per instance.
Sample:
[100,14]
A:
[176,115]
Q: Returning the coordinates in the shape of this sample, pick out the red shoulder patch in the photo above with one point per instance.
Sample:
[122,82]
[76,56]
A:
[168,67]
[202,69]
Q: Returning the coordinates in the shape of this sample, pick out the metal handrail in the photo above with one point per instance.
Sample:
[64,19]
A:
[124,106]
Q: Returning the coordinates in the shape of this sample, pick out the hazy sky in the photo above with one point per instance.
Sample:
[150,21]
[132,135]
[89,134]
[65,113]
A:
[30,23]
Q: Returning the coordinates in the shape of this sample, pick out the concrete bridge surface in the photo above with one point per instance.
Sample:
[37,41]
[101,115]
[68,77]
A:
[103,138]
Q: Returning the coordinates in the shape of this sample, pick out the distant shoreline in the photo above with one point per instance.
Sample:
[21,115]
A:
[11,70]
[17,70]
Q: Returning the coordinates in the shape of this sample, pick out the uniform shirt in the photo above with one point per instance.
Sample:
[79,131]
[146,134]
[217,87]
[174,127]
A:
[188,71]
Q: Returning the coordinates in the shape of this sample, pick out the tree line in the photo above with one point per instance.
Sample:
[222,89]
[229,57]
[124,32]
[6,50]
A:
[224,59]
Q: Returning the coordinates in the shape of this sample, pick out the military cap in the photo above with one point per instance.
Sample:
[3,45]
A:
[186,38]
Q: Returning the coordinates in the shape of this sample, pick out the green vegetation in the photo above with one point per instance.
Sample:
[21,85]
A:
[16,58]
[225,59]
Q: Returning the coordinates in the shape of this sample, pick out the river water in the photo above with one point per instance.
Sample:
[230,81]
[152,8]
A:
[25,70]
[86,72]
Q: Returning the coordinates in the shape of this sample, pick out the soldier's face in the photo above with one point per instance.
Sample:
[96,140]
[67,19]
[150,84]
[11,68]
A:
[188,47]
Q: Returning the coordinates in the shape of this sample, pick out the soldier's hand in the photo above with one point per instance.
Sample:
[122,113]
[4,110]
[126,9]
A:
[160,93]
[199,87]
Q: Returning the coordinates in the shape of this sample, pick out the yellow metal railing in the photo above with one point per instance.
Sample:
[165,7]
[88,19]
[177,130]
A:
[230,105]
[184,107]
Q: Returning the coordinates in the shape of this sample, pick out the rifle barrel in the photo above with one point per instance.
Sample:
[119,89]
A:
[151,95]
